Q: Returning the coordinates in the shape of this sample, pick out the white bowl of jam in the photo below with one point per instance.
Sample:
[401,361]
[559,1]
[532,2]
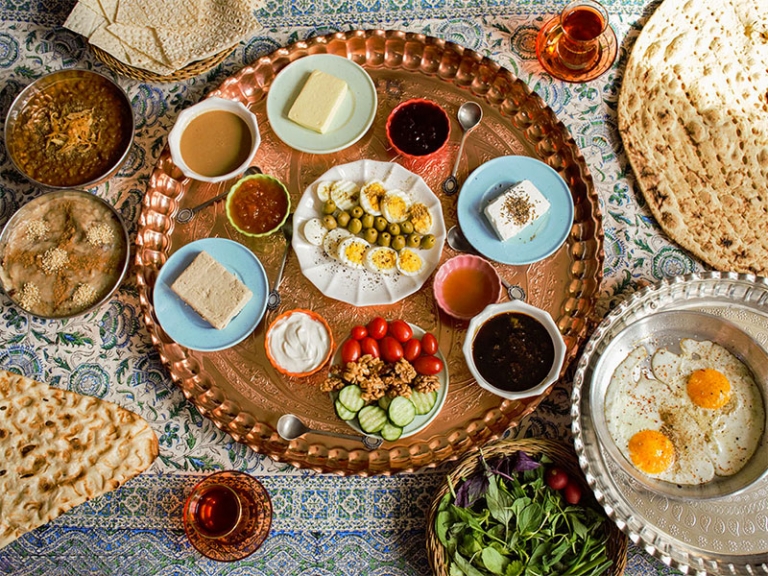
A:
[514,350]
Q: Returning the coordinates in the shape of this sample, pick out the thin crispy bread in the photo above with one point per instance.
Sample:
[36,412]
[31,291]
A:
[59,449]
[693,116]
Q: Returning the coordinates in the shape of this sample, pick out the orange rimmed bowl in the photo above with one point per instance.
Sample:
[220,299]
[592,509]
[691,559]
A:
[299,343]
[418,128]
[465,285]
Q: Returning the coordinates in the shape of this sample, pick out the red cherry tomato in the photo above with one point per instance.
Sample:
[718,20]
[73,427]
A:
[572,493]
[556,478]
[428,365]
[350,351]
[377,328]
[358,332]
[391,349]
[412,349]
[429,344]
[400,331]
[370,346]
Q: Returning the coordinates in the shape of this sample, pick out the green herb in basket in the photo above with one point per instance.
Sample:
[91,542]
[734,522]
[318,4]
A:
[506,521]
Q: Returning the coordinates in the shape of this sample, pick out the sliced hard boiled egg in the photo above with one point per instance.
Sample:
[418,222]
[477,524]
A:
[421,218]
[314,231]
[395,206]
[371,195]
[381,259]
[345,194]
[352,251]
[332,240]
[409,262]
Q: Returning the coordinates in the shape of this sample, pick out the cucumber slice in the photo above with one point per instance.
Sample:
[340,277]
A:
[352,398]
[372,418]
[390,432]
[401,411]
[423,401]
[384,402]
[342,412]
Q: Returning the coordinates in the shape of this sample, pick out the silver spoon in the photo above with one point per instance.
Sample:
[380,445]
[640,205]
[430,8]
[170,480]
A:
[186,214]
[470,114]
[459,242]
[289,427]
[273,300]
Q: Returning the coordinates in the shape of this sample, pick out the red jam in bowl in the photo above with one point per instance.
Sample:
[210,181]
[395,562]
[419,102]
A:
[418,128]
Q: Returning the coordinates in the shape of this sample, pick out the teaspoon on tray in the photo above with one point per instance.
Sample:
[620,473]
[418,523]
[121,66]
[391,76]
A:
[273,300]
[289,427]
[186,214]
[470,114]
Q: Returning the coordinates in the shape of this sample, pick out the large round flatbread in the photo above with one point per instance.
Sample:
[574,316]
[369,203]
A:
[59,449]
[693,115]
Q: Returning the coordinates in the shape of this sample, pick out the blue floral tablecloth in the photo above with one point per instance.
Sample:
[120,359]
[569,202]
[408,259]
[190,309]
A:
[323,525]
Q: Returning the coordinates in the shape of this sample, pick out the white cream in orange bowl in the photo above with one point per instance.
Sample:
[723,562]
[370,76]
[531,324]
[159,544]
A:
[299,342]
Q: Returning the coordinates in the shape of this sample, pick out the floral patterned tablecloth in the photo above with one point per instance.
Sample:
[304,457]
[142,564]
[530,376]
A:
[323,525]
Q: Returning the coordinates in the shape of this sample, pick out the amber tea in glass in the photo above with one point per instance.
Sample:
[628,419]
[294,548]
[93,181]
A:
[216,511]
[582,23]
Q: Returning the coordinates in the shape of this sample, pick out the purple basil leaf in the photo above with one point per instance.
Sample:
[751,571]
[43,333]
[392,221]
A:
[525,462]
[473,489]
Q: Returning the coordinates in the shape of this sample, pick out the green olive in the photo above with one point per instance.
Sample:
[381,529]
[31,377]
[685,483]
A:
[371,235]
[428,241]
[394,228]
[384,239]
[329,222]
[398,242]
[329,206]
[406,227]
[343,218]
[355,225]
[367,220]
[357,212]
[380,223]
[414,240]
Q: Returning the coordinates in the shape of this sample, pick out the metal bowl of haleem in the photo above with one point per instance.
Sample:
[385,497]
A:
[63,254]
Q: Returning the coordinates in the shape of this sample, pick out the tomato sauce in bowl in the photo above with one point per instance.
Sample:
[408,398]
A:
[258,205]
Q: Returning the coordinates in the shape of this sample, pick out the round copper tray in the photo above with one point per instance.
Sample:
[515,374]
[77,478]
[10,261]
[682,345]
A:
[238,388]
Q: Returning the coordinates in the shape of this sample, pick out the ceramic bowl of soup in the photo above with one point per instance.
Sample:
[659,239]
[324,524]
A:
[214,140]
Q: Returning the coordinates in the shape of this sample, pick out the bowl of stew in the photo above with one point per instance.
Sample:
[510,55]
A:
[70,129]
[514,350]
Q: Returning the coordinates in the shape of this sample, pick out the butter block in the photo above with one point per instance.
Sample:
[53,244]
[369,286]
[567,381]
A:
[319,100]
[212,291]
[516,208]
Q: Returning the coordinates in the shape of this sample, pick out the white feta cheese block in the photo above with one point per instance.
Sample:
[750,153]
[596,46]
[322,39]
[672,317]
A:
[212,291]
[319,100]
[516,208]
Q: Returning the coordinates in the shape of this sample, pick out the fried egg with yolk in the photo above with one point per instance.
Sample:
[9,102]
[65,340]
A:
[693,416]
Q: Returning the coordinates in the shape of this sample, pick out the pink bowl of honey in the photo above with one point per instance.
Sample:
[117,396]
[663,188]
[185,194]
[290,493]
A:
[465,285]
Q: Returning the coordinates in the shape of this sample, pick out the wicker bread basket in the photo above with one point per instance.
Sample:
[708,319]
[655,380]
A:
[562,455]
[189,71]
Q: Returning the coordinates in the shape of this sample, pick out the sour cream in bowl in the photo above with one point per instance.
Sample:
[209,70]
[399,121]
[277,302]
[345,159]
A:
[299,342]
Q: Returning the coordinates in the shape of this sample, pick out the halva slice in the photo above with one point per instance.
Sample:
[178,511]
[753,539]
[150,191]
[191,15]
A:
[212,291]
[319,100]
[517,207]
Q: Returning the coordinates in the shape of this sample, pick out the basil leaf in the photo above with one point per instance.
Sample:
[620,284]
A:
[499,502]
[494,561]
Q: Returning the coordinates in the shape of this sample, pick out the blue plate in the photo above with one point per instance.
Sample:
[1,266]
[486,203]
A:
[533,243]
[185,325]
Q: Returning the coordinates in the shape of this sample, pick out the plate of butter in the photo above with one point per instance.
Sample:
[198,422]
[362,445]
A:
[515,210]
[321,103]
[210,294]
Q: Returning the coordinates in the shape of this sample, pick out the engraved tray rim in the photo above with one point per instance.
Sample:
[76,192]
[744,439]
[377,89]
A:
[687,292]
[517,103]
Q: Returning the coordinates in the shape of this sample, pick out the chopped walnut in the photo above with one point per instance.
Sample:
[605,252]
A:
[332,383]
[405,370]
[399,388]
[424,383]
[373,388]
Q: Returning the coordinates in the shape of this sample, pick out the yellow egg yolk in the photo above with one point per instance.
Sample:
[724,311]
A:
[709,388]
[410,261]
[651,451]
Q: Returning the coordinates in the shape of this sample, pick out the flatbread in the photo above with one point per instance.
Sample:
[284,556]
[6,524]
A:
[693,116]
[59,449]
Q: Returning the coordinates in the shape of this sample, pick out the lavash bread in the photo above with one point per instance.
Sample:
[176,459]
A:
[693,116]
[59,449]
[211,290]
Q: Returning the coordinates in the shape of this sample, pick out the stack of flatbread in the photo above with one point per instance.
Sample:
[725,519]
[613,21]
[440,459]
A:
[693,115]
[59,449]
[163,36]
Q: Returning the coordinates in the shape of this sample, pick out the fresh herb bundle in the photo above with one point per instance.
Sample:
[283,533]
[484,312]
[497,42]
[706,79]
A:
[506,521]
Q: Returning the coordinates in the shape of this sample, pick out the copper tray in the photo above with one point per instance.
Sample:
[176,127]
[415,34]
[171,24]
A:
[239,390]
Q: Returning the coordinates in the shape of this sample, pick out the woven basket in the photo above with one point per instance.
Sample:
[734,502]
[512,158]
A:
[189,71]
[562,455]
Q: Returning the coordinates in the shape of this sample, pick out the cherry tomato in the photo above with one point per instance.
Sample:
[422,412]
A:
[429,344]
[358,332]
[572,493]
[556,478]
[377,328]
[400,331]
[412,349]
[370,346]
[391,349]
[350,351]
[428,365]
